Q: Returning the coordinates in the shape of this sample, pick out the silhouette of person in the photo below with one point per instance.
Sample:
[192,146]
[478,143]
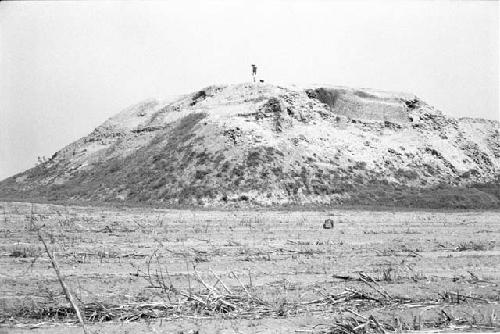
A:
[254,72]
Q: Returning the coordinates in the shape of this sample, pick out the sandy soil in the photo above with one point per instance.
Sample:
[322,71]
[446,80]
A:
[412,269]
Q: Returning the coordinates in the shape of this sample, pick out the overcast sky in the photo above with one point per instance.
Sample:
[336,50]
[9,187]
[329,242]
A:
[65,67]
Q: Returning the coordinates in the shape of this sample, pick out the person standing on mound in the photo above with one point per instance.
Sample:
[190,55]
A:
[254,72]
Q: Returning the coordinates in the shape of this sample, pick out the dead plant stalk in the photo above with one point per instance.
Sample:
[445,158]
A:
[65,288]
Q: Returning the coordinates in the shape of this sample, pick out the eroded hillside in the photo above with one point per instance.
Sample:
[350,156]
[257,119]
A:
[251,144]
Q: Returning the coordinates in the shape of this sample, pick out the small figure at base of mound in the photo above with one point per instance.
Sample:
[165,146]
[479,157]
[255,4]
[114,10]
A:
[328,224]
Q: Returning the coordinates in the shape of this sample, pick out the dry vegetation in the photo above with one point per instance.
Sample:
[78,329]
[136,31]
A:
[147,270]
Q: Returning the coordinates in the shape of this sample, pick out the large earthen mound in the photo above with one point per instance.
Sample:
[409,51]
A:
[265,145]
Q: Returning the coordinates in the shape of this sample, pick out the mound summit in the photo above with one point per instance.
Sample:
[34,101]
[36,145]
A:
[266,145]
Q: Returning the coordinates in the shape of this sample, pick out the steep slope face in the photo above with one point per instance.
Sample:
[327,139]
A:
[271,145]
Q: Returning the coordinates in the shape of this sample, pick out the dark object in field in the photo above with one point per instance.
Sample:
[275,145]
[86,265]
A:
[328,224]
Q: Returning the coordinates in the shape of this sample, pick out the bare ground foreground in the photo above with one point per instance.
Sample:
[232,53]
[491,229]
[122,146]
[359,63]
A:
[136,270]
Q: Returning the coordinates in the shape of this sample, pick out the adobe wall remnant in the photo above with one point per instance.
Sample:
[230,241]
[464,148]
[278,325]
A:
[358,104]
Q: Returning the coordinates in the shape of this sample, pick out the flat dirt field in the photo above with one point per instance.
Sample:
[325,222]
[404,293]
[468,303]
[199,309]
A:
[137,270]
